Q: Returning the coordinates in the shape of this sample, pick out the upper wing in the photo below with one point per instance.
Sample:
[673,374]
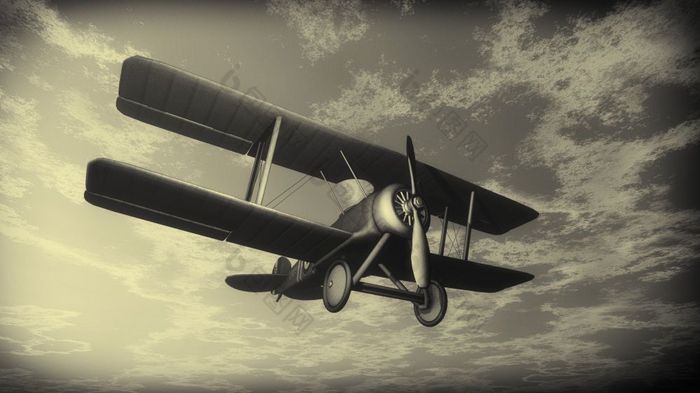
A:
[190,105]
[473,276]
[140,193]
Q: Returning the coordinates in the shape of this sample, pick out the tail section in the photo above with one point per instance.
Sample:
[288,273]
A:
[255,282]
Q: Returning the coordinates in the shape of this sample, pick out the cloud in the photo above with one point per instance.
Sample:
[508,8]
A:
[596,77]
[406,7]
[36,16]
[22,141]
[609,66]
[19,380]
[323,26]
[24,18]
[594,129]
[36,80]
[127,140]
[373,101]
[27,155]
[603,226]
[31,326]
[599,68]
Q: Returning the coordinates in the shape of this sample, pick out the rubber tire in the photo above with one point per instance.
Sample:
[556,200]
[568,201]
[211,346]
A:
[343,276]
[438,292]
[282,266]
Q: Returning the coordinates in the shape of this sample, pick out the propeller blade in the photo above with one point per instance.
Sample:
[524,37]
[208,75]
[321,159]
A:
[419,243]
[419,252]
[411,155]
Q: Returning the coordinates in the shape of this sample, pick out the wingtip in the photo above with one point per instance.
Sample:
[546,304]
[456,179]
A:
[230,281]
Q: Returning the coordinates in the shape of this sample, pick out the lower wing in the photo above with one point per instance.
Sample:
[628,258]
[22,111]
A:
[150,196]
[474,276]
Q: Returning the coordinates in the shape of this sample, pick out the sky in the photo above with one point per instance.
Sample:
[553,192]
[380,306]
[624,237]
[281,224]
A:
[588,114]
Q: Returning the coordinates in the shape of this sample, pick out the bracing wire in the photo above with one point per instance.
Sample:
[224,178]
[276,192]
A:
[287,189]
[293,191]
[453,241]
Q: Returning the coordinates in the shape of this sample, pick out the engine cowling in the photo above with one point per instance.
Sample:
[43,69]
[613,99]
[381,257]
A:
[392,213]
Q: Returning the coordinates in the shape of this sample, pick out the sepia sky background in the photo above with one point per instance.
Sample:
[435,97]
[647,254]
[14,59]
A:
[590,115]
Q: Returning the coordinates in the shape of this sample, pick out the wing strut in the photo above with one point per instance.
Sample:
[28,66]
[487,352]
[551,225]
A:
[468,229]
[254,171]
[268,159]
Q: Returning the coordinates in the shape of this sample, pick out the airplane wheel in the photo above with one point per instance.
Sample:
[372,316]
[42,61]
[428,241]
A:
[437,305]
[282,266]
[337,286]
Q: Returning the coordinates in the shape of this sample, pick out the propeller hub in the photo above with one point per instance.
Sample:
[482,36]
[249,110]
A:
[417,202]
[404,204]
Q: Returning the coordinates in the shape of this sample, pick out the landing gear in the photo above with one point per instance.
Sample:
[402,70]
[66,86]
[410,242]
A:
[337,286]
[432,313]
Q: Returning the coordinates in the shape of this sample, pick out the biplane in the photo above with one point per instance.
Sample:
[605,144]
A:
[383,235]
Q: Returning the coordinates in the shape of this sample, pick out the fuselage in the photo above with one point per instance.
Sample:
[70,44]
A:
[368,220]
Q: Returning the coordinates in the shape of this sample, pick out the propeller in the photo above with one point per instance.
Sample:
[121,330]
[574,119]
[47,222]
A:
[419,242]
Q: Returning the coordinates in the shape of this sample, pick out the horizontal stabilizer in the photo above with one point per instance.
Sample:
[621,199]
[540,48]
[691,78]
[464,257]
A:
[255,282]
[150,196]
